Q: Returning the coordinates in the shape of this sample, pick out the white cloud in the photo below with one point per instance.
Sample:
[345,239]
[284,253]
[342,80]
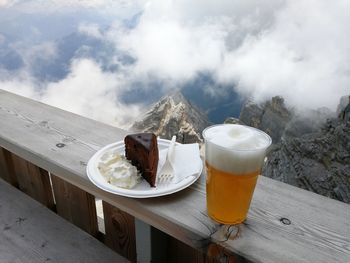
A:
[266,48]
[90,92]
[92,30]
[87,91]
[304,56]
[7,3]
[295,48]
[21,87]
[116,7]
[170,51]
[176,40]
[45,51]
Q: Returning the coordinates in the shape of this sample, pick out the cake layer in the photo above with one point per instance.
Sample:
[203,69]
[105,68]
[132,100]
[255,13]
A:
[142,150]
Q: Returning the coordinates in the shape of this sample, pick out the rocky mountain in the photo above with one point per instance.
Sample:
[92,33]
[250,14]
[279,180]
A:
[271,116]
[317,161]
[311,150]
[173,115]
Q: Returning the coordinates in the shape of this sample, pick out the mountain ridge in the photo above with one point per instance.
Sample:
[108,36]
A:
[172,115]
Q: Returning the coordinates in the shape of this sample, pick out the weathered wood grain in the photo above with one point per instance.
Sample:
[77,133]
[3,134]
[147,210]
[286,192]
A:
[33,181]
[120,231]
[75,205]
[32,233]
[6,168]
[319,230]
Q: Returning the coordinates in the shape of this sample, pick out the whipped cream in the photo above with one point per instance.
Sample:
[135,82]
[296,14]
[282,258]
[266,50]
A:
[118,171]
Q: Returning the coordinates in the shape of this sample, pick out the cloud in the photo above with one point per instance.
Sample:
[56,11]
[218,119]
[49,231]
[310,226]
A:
[92,30]
[260,48]
[171,51]
[90,92]
[175,41]
[44,50]
[7,3]
[21,87]
[57,3]
[304,56]
[87,91]
[54,6]
[169,46]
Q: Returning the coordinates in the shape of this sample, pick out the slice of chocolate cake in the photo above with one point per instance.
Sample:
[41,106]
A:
[142,150]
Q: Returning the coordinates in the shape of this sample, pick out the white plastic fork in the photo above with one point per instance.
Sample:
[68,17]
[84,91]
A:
[167,171]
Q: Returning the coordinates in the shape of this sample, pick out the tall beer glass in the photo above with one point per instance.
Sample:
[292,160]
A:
[234,155]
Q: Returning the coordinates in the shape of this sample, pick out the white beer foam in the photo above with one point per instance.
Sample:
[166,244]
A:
[235,148]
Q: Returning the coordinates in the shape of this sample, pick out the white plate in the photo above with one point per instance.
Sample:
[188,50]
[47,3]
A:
[141,190]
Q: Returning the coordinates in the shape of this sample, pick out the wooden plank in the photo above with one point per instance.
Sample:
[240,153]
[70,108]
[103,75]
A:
[120,231]
[6,168]
[319,230]
[75,205]
[33,181]
[32,233]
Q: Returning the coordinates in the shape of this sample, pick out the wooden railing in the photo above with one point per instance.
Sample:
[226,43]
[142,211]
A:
[44,151]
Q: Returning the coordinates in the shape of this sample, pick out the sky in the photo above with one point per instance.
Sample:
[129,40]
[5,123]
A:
[298,49]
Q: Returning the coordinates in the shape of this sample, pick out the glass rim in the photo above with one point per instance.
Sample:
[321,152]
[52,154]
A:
[268,144]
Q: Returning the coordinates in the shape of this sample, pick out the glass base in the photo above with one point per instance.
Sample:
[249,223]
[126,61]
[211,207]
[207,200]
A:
[233,222]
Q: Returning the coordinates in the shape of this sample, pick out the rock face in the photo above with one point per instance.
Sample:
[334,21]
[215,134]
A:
[311,151]
[271,117]
[343,110]
[173,115]
[317,161]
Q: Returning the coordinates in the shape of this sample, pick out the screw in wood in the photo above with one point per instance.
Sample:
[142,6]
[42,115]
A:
[60,145]
[285,221]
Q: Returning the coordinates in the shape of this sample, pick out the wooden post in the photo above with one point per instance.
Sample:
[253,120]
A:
[120,231]
[33,181]
[75,205]
[6,168]
[156,246]
[180,252]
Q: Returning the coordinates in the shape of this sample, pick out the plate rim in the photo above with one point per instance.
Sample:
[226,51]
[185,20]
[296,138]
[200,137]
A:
[130,192]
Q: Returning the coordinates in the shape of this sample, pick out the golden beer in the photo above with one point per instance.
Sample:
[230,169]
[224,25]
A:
[229,195]
[234,156]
